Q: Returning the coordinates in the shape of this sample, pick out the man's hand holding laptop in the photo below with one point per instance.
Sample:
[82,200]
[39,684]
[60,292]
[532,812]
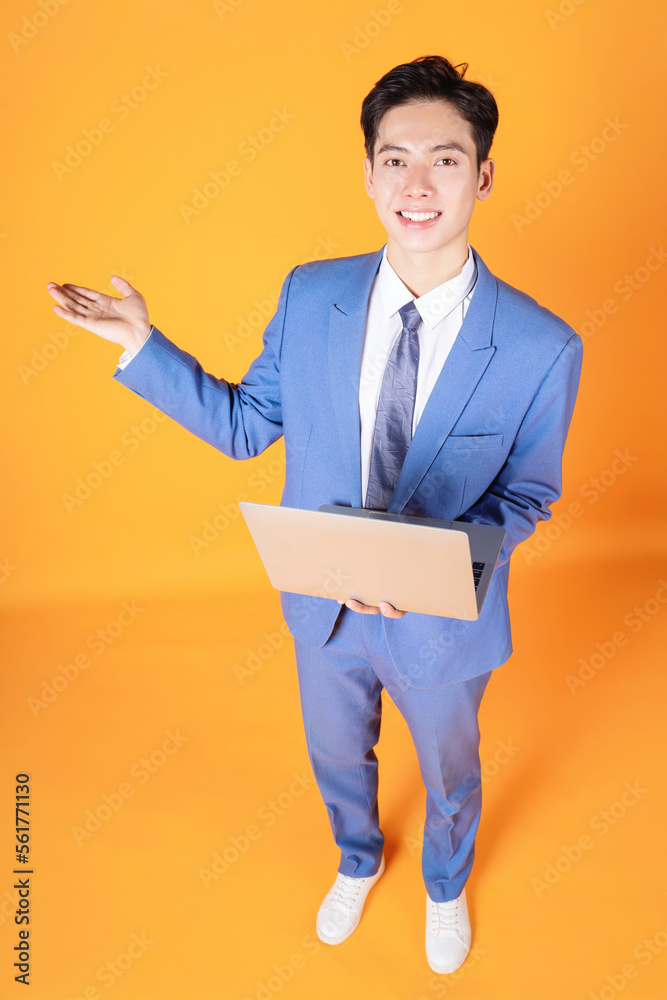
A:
[385,608]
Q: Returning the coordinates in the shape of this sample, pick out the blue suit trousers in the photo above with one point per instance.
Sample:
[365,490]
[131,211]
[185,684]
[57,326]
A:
[341,686]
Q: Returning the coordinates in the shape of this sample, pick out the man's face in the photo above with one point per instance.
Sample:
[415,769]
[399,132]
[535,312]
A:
[413,172]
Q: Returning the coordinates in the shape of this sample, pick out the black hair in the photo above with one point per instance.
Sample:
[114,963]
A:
[431,78]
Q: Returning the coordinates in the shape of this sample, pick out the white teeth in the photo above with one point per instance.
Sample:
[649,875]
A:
[419,216]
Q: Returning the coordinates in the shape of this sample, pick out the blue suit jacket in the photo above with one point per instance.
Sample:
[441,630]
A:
[488,446]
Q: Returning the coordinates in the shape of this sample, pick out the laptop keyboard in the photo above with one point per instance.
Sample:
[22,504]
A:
[477,570]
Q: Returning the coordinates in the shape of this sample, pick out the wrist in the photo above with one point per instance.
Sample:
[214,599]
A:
[137,338]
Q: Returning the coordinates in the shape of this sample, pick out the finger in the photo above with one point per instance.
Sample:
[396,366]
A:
[74,318]
[70,310]
[57,291]
[123,286]
[67,298]
[87,293]
[81,300]
[364,609]
[389,611]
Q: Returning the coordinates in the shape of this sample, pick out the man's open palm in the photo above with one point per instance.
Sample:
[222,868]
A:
[122,321]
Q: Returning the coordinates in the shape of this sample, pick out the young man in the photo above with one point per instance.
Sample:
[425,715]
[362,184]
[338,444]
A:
[408,379]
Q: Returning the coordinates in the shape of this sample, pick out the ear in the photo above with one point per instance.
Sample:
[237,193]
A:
[368,177]
[485,178]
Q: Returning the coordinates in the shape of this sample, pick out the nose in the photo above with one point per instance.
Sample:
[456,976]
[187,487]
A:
[418,183]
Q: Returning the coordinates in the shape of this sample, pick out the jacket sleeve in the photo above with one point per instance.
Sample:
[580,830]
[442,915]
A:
[531,478]
[239,419]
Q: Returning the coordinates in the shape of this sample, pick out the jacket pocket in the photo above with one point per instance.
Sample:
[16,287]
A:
[473,441]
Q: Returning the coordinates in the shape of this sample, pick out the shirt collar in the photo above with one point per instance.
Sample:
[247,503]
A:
[434,305]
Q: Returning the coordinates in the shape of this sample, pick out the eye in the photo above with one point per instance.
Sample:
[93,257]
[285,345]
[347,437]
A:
[393,159]
[447,158]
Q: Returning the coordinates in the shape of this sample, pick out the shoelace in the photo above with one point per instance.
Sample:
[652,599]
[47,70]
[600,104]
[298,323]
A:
[346,890]
[445,916]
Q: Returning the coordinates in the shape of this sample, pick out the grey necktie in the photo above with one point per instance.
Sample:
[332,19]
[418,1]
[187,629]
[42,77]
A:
[393,421]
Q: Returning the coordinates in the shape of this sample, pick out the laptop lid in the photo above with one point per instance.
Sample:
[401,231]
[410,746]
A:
[417,564]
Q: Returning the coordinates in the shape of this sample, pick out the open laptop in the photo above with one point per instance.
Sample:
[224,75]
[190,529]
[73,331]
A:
[421,564]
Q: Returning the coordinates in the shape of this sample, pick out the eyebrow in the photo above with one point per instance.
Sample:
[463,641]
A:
[388,147]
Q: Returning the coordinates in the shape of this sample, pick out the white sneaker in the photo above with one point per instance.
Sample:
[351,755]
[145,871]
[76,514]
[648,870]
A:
[447,933]
[340,911]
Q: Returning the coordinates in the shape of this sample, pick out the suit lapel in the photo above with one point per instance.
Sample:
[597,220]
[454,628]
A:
[464,367]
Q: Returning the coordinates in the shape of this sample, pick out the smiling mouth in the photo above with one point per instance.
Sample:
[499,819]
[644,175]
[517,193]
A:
[419,216]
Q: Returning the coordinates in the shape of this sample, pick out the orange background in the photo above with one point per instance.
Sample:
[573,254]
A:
[581,703]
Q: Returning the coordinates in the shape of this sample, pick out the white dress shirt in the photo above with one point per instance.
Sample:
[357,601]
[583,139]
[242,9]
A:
[126,357]
[442,309]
